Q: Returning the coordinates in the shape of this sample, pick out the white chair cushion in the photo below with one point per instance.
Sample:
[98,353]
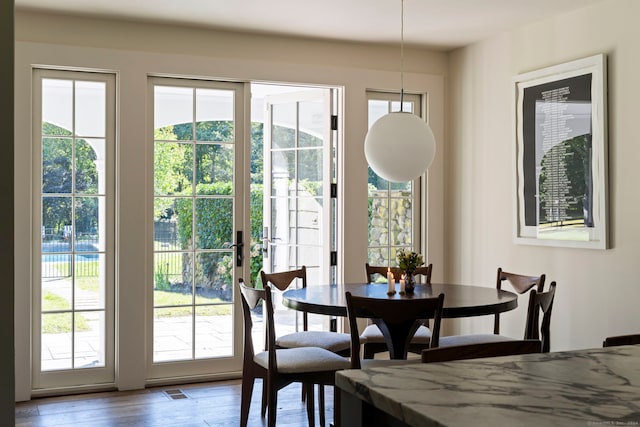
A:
[331,341]
[373,334]
[470,339]
[303,359]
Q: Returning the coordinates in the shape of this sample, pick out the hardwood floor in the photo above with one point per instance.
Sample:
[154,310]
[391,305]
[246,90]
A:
[214,404]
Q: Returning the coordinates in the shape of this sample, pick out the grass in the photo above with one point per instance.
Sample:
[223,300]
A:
[51,301]
[60,323]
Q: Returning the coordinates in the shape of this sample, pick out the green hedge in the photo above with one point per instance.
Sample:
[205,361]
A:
[214,230]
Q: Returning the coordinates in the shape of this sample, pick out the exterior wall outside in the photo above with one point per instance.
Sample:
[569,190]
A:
[597,290]
[134,51]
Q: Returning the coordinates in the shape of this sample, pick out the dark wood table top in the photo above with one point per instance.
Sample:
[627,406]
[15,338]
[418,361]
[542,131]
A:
[459,300]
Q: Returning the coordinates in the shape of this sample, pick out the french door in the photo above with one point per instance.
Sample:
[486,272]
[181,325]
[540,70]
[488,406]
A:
[299,197]
[73,239]
[198,227]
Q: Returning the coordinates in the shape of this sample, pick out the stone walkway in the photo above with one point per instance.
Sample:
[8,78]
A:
[173,339]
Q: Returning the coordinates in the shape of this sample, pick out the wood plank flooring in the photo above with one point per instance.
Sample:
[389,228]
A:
[213,404]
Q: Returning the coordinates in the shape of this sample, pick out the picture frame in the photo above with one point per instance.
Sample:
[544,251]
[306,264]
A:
[561,157]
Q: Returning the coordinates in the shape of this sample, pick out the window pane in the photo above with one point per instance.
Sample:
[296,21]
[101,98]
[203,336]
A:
[172,223]
[172,278]
[90,108]
[57,107]
[310,166]
[378,221]
[282,225]
[56,341]
[214,331]
[87,224]
[284,124]
[89,281]
[312,127]
[213,228]
[56,282]
[173,106]
[379,256]
[214,275]
[401,222]
[89,351]
[56,165]
[377,109]
[90,155]
[214,169]
[172,168]
[56,220]
[172,334]
[214,115]
[282,171]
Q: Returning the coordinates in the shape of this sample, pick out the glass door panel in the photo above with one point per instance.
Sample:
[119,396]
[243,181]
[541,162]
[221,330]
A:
[298,212]
[198,209]
[73,306]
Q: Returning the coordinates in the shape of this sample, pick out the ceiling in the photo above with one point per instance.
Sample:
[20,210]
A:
[441,24]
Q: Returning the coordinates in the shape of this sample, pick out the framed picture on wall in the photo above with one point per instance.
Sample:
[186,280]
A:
[561,155]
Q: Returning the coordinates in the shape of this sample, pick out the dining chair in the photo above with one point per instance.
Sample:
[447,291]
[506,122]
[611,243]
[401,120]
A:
[534,329]
[372,338]
[520,283]
[481,350]
[398,319]
[280,367]
[616,340]
[336,342]
[333,341]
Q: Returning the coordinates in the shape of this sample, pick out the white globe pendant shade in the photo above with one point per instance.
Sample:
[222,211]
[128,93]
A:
[399,146]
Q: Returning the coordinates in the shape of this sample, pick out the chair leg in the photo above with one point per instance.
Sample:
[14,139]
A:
[272,403]
[321,404]
[265,397]
[245,401]
[311,416]
[337,408]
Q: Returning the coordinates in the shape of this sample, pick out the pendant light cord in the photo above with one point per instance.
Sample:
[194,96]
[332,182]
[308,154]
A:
[401,55]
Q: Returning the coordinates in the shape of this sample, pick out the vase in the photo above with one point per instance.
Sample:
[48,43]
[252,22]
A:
[409,282]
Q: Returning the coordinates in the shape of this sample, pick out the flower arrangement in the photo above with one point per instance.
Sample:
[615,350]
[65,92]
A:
[409,260]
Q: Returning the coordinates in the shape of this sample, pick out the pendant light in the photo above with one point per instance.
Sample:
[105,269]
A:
[400,146]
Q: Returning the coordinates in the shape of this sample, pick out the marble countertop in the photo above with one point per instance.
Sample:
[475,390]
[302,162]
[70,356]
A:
[584,387]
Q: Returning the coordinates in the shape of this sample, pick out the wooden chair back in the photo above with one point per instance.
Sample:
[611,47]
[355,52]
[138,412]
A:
[398,319]
[540,301]
[520,283]
[631,339]
[481,350]
[251,298]
[373,270]
[283,279]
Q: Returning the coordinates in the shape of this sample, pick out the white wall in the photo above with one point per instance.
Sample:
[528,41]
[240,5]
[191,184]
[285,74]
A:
[598,291]
[134,51]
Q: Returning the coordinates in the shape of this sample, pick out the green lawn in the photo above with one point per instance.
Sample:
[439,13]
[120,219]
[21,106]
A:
[59,323]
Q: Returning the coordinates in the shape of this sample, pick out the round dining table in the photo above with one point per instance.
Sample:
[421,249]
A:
[459,300]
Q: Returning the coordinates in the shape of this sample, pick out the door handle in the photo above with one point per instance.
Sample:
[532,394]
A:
[239,245]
